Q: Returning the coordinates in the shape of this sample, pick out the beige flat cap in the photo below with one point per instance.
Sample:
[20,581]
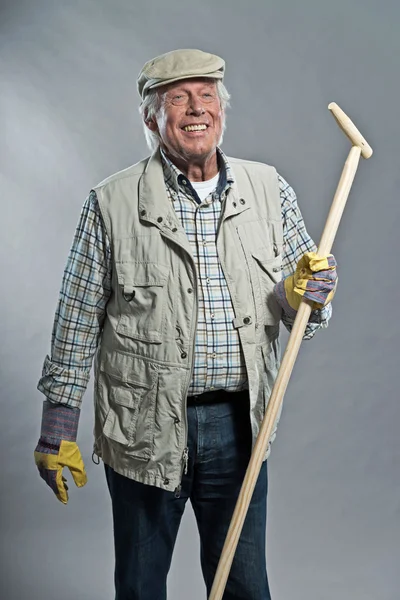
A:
[176,65]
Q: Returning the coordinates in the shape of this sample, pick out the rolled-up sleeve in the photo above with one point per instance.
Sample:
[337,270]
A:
[296,242]
[78,322]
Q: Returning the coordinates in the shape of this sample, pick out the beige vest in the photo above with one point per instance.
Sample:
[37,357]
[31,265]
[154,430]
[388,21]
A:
[141,375]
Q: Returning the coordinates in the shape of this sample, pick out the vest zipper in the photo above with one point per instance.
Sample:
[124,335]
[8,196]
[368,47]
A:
[185,455]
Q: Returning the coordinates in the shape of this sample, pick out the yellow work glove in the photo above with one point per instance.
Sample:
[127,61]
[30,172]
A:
[57,448]
[315,278]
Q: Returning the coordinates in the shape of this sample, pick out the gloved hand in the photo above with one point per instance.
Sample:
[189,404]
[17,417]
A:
[57,448]
[315,278]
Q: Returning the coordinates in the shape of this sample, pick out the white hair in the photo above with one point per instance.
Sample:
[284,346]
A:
[151,105]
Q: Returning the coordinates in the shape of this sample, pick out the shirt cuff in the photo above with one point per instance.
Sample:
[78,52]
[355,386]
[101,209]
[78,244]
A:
[63,385]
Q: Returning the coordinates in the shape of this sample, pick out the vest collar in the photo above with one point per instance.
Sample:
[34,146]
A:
[154,205]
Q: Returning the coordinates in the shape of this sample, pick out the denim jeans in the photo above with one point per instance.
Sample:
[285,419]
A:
[146,519]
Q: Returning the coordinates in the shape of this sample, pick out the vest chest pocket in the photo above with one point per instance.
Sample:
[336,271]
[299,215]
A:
[268,271]
[264,262]
[142,299]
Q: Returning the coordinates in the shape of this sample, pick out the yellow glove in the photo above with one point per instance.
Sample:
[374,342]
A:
[315,278]
[51,467]
[57,448]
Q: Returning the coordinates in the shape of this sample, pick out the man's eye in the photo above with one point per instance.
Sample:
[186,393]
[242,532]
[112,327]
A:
[178,99]
[208,97]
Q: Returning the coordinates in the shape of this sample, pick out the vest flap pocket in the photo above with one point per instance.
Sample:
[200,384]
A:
[128,397]
[129,389]
[141,274]
[129,368]
[270,264]
[268,271]
[142,296]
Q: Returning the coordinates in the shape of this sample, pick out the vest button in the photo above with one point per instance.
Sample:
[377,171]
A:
[190,291]
[183,355]
[174,229]
[242,201]
[247,320]
[176,420]
[234,204]
[166,481]
[160,219]
[143,212]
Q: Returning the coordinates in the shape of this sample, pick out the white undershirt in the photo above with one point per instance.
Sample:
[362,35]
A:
[204,188]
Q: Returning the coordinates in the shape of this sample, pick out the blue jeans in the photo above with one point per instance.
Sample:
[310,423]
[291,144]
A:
[146,518]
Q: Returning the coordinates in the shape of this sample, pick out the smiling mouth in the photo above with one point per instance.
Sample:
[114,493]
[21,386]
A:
[199,127]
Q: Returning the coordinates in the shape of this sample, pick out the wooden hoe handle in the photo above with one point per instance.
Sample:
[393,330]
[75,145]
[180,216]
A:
[360,147]
[350,130]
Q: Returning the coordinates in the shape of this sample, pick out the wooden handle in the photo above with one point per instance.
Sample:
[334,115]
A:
[348,127]
[281,383]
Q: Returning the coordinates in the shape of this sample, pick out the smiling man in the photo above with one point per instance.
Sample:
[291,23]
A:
[181,269]
[190,138]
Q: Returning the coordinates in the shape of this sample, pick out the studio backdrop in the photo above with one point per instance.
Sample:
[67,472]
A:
[68,119]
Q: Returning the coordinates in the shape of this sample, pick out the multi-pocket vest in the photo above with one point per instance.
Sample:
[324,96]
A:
[141,375]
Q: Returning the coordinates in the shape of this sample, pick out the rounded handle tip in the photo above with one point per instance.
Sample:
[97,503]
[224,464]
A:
[350,130]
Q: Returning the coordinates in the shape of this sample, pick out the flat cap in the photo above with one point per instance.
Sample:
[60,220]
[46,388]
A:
[176,65]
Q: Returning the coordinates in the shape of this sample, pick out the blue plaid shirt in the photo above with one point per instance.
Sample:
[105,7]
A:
[86,288]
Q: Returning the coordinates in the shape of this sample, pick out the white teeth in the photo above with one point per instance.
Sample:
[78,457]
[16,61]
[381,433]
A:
[195,127]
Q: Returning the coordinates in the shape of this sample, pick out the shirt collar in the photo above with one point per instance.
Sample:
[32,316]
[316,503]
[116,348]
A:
[174,177]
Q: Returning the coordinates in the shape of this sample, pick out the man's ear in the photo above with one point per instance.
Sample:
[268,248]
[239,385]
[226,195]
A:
[150,122]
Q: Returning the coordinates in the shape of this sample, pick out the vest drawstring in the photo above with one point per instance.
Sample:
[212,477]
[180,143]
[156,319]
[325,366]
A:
[94,453]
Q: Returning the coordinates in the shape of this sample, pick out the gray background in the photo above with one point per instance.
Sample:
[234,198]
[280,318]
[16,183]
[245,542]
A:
[68,110]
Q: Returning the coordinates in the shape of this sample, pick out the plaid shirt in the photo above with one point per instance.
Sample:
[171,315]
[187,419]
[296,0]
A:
[86,288]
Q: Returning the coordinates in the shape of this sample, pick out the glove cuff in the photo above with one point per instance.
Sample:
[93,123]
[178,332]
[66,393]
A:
[280,295]
[59,422]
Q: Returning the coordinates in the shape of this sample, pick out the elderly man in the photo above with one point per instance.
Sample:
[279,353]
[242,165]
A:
[181,269]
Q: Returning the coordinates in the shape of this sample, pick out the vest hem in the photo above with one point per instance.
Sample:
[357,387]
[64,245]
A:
[139,475]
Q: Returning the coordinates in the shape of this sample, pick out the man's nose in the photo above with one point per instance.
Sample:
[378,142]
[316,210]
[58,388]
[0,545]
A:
[195,108]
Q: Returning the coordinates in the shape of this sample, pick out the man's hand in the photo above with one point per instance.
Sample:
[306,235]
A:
[315,278]
[57,448]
